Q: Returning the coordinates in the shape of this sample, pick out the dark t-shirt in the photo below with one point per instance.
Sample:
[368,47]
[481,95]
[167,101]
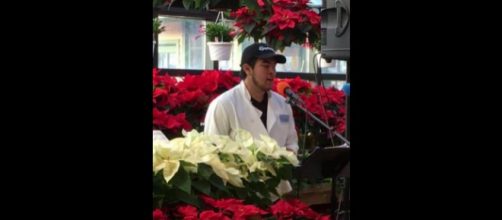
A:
[262,106]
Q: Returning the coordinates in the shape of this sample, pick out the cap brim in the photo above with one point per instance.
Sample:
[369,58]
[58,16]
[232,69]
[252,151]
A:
[277,57]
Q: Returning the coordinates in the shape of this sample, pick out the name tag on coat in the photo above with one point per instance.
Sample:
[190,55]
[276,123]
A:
[284,118]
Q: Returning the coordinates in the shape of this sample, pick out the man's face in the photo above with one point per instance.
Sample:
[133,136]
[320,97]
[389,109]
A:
[262,74]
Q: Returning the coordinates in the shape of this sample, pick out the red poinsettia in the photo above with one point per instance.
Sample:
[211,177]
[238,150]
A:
[326,104]
[212,215]
[159,215]
[243,212]
[221,203]
[293,209]
[188,212]
[282,210]
[235,209]
[280,22]
[284,18]
[182,104]
[227,80]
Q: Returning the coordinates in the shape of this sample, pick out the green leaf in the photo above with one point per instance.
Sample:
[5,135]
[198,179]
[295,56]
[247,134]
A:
[272,183]
[205,171]
[269,27]
[241,193]
[252,4]
[187,3]
[241,39]
[181,180]
[202,186]
[285,172]
[253,177]
[249,27]
[188,198]
[217,182]
[261,188]
[304,27]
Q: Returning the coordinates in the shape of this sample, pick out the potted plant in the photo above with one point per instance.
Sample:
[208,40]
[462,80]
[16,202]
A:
[279,22]
[219,37]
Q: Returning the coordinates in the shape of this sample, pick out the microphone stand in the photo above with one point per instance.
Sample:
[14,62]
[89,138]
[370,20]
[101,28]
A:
[336,205]
[295,103]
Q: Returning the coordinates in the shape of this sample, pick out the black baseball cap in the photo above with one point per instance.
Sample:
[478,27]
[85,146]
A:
[261,50]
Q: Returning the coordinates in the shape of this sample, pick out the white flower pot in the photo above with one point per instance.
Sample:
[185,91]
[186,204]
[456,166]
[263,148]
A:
[219,50]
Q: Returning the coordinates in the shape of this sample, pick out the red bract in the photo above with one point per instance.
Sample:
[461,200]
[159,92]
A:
[282,209]
[280,22]
[212,215]
[221,203]
[159,215]
[299,85]
[260,3]
[311,17]
[159,117]
[209,80]
[160,97]
[188,212]
[228,80]
[284,18]
[242,212]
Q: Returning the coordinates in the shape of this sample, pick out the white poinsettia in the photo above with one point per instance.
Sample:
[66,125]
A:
[234,177]
[231,158]
[243,137]
[268,146]
[290,156]
[166,157]
[218,167]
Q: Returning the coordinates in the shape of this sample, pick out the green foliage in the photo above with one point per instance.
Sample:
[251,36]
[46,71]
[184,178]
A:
[218,30]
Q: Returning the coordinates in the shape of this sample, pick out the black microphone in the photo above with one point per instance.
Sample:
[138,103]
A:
[284,89]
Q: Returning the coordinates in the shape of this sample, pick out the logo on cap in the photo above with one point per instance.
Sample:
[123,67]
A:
[262,48]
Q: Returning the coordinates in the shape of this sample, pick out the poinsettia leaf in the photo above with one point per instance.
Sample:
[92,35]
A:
[253,177]
[181,180]
[205,171]
[217,182]
[304,27]
[280,45]
[261,188]
[202,186]
[241,39]
[170,196]
[272,183]
[269,27]
[241,193]
[285,172]
[249,27]
[188,198]
[252,4]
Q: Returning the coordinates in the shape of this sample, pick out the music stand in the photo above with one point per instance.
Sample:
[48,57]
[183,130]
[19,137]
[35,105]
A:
[323,163]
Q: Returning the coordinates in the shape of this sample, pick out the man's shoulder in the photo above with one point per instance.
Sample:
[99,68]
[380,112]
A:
[227,96]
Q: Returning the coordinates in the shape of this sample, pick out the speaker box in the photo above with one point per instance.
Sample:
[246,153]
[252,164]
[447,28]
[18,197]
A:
[335,29]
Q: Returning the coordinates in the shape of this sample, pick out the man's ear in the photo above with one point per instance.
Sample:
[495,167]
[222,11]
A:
[247,68]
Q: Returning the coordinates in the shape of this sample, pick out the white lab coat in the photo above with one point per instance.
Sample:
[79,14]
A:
[233,109]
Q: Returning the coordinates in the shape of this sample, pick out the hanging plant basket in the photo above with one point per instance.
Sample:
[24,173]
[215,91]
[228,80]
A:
[219,50]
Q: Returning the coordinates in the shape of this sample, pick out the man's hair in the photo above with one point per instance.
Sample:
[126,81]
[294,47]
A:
[250,62]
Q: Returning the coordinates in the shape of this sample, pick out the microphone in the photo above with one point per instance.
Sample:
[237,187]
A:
[285,90]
